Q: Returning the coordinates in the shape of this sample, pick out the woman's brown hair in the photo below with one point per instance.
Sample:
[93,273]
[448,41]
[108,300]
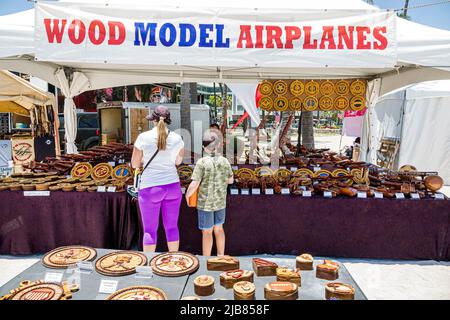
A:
[162,134]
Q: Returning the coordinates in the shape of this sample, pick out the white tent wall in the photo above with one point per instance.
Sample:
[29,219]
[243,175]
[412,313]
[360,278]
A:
[424,131]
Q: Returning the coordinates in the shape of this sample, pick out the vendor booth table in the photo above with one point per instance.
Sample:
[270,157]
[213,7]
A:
[37,224]
[178,287]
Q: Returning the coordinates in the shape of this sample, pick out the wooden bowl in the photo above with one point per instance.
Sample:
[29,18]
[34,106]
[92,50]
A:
[55,188]
[15,187]
[28,187]
[433,183]
[42,187]
[92,189]
[81,188]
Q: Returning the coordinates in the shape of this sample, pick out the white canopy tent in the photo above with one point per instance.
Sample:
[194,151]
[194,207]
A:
[421,52]
[419,116]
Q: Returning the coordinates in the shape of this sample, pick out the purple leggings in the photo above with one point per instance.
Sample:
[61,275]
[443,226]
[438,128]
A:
[165,198]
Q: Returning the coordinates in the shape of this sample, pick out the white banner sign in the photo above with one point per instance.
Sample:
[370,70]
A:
[126,34]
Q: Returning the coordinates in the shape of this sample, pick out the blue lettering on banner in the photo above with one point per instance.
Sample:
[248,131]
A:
[204,35]
[184,29]
[140,31]
[163,34]
[219,37]
[145,34]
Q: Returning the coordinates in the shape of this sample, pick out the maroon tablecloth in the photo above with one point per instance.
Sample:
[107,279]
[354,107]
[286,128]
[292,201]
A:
[340,227]
[39,224]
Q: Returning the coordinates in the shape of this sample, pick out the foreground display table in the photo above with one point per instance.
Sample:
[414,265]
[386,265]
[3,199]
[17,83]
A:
[339,227]
[38,224]
[178,287]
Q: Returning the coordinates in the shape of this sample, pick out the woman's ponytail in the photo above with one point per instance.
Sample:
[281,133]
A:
[162,134]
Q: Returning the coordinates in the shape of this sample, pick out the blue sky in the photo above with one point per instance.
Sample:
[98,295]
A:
[436,16]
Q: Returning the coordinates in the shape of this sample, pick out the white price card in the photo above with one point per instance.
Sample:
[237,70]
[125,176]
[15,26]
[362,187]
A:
[399,195]
[256,191]
[293,169]
[439,196]
[36,193]
[245,192]
[282,167]
[316,169]
[269,191]
[234,191]
[327,194]
[183,190]
[108,286]
[378,195]
[121,161]
[302,188]
[415,196]
[191,165]
[306,193]
[285,191]
[101,189]
[112,163]
[144,272]
[362,194]
[53,277]
[85,266]
[111,189]
[234,167]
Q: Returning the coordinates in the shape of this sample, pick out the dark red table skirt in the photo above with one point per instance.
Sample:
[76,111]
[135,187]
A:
[39,224]
[341,227]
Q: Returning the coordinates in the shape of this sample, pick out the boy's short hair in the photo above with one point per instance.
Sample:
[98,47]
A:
[210,140]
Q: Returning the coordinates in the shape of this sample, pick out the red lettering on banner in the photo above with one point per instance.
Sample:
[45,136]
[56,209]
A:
[97,24]
[292,33]
[55,30]
[274,33]
[245,35]
[327,36]
[119,38]
[346,37]
[362,38]
[259,37]
[378,34]
[81,31]
[308,44]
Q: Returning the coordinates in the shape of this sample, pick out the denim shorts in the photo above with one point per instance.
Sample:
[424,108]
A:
[208,219]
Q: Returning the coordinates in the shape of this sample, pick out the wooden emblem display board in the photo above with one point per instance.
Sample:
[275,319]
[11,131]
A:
[138,293]
[120,263]
[174,264]
[63,257]
[311,95]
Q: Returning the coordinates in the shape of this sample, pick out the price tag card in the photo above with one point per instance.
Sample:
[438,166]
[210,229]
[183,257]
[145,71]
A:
[283,167]
[85,266]
[269,191]
[306,193]
[399,195]
[256,191]
[285,191]
[111,189]
[293,169]
[245,192]
[302,188]
[234,167]
[439,196]
[191,165]
[108,286]
[362,195]
[121,161]
[378,195]
[53,277]
[415,196]
[36,193]
[183,190]
[144,272]
[234,191]
[327,194]
[69,176]
[101,189]
[316,169]
[112,163]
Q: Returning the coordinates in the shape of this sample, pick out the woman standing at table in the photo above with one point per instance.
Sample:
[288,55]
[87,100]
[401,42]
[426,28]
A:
[160,188]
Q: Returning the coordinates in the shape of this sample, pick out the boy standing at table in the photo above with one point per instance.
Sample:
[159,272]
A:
[211,176]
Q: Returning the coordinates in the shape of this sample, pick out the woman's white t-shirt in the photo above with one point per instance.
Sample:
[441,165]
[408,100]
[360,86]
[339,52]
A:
[162,169]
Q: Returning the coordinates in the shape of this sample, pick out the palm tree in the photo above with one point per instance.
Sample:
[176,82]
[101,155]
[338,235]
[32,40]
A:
[185,114]
[307,129]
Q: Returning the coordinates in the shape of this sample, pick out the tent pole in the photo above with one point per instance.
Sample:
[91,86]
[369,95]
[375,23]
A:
[299,138]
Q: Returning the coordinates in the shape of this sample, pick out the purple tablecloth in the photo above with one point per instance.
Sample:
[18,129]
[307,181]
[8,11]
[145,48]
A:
[39,224]
[341,227]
